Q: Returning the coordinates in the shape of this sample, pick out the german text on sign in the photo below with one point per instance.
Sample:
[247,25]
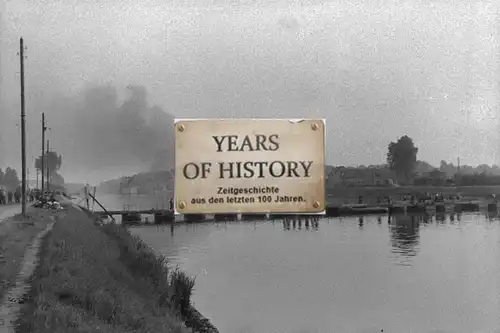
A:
[249,166]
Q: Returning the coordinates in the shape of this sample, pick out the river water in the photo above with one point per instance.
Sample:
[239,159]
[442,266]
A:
[407,274]
[343,275]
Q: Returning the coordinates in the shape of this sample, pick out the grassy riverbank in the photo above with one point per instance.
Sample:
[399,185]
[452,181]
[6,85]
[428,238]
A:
[101,279]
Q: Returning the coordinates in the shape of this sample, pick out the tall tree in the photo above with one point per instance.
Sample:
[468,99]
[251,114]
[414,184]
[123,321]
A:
[402,156]
[10,179]
[52,160]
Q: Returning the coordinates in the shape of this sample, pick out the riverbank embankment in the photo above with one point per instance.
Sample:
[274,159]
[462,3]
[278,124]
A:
[93,278]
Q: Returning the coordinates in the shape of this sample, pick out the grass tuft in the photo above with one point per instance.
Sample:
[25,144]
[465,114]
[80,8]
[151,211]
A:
[181,288]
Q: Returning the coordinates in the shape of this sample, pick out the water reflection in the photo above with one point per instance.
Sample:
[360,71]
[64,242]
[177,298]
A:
[162,227]
[404,231]
[296,223]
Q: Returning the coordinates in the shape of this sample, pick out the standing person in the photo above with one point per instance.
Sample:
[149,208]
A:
[3,199]
[9,197]
[17,195]
[171,204]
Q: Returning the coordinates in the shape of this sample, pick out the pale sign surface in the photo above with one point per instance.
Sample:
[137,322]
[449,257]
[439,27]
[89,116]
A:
[249,166]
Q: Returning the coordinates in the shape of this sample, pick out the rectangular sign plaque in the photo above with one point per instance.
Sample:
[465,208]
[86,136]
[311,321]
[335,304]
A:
[249,166]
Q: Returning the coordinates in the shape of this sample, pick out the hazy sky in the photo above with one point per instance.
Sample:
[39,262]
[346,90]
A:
[376,70]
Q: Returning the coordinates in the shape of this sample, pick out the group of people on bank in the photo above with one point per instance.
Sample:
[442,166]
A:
[8,197]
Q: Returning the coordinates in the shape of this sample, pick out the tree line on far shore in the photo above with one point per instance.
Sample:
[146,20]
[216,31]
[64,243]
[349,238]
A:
[403,167]
[402,159]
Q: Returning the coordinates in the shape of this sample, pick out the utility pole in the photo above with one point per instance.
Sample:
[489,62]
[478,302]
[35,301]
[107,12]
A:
[23,132]
[43,153]
[48,173]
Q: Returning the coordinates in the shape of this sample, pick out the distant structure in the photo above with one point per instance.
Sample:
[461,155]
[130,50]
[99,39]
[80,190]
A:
[129,190]
[360,176]
[126,186]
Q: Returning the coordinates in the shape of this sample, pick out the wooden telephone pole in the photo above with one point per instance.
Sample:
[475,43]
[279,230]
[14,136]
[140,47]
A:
[48,172]
[23,132]
[43,153]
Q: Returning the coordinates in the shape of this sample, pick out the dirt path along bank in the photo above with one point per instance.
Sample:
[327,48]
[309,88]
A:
[20,238]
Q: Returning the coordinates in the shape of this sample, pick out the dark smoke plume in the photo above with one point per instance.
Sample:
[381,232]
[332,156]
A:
[95,131]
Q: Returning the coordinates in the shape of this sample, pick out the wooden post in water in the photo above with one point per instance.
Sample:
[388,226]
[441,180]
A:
[87,196]
[93,200]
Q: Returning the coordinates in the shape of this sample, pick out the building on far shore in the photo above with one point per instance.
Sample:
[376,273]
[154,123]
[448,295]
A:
[129,190]
[434,177]
[161,188]
[368,176]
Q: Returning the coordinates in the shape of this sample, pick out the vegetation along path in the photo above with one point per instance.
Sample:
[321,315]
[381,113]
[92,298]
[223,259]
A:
[93,278]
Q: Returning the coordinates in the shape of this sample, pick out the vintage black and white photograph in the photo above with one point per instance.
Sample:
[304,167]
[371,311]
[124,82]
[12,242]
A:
[249,166]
